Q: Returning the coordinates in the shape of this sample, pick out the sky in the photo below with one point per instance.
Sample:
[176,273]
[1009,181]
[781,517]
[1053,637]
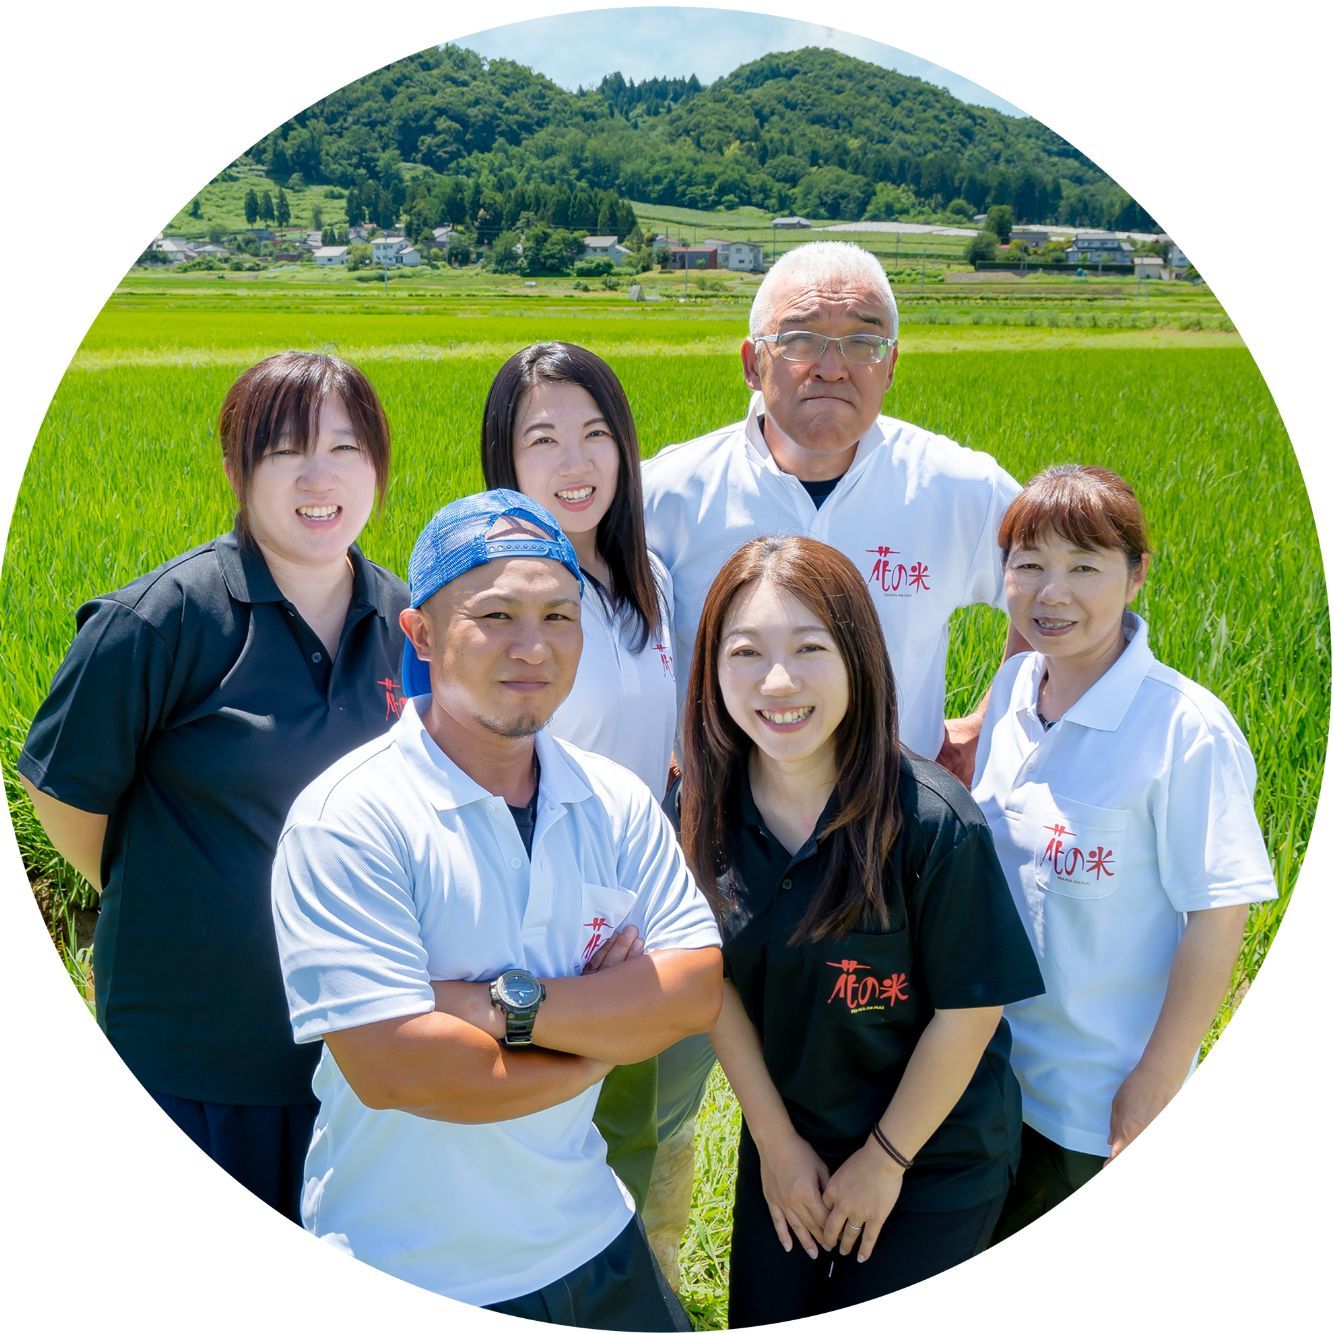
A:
[578,49]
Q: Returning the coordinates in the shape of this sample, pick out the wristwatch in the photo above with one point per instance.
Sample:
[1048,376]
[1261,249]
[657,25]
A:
[519,995]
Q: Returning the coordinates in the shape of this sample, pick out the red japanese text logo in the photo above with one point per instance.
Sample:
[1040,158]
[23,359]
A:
[597,925]
[893,573]
[668,662]
[860,993]
[1072,863]
[393,701]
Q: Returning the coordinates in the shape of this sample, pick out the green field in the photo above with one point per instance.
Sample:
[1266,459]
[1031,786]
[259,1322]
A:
[125,474]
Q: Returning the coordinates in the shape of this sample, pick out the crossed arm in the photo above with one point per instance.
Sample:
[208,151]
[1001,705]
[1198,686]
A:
[451,1064]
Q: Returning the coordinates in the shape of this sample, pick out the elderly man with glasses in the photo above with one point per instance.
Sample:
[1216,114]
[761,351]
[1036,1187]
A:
[914,511]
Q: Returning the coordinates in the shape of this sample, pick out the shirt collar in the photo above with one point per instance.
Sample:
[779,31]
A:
[759,451]
[249,579]
[1105,703]
[749,814]
[447,787]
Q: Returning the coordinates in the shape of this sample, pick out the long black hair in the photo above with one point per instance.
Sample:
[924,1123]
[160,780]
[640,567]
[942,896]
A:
[621,541]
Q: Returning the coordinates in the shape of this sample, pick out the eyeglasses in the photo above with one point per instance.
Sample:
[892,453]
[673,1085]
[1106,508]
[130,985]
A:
[859,349]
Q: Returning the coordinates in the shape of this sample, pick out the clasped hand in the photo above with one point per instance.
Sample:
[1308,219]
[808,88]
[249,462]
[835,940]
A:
[838,1210]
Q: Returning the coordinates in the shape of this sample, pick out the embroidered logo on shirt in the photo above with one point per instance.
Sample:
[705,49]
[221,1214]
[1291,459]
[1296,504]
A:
[895,576]
[597,925]
[393,701]
[668,662]
[863,994]
[1070,862]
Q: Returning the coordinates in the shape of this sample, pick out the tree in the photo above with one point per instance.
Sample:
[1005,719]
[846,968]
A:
[356,212]
[1000,221]
[983,246]
[196,208]
[297,181]
[283,211]
[458,252]
[266,207]
[316,218]
[251,208]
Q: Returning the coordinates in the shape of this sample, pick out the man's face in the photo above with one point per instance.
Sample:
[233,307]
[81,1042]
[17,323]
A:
[820,408]
[503,642]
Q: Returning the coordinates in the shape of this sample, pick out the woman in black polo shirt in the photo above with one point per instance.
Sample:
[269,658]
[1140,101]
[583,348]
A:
[870,942]
[193,706]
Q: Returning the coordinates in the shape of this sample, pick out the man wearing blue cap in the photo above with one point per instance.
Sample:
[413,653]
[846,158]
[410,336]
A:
[479,921]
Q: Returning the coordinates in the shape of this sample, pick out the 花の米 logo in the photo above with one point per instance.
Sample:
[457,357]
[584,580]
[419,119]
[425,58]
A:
[895,575]
[1071,863]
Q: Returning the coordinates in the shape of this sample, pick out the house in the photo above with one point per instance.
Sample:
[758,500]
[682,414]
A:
[788,224]
[1148,266]
[313,240]
[384,249]
[663,242]
[408,255]
[690,256]
[605,247]
[360,233]
[1099,247]
[213,252]
[1176,261]
[175,249]
[739,256]
[331,254]
[442,235]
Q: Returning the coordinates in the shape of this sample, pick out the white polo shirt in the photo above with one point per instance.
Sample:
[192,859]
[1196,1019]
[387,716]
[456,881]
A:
[916,513]
[396,869]
[1135,808]
[623,703]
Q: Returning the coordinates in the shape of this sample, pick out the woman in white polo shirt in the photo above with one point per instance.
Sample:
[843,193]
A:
[1121,798]
[557,427]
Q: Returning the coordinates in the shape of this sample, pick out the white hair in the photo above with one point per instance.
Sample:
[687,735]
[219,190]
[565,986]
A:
[838,262]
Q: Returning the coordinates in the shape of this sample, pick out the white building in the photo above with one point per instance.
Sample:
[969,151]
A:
[739,256]
[331,254]
[604,247]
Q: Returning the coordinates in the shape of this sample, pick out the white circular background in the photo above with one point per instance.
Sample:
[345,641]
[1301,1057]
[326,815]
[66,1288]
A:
[1210,115]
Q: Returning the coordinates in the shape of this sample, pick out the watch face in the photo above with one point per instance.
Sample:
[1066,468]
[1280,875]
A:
[520,990]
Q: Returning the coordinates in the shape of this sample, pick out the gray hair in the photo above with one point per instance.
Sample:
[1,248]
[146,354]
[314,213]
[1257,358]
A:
[821,261]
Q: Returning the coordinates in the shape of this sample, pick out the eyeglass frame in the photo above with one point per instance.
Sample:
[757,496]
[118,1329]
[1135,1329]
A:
[776,338]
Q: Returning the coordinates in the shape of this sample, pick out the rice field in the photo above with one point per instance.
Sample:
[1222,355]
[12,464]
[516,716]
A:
[125,474]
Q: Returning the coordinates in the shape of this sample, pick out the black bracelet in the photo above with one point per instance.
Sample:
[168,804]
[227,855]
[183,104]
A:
[883,1140]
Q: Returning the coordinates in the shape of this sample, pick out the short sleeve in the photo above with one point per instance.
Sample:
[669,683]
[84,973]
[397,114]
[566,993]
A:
[987,570]
[349,942]
[1210,850]
[670,911]
[972,947]
[107,698]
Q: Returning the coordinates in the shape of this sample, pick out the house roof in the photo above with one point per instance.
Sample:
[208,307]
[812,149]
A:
[602,241]
[328,251]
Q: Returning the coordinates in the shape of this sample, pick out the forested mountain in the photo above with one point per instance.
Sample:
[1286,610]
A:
[448,136]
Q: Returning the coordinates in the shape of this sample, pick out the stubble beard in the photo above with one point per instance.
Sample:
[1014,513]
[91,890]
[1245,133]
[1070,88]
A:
[514,729]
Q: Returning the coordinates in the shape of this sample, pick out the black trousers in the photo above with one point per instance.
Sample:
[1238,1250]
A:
[768,1284]
[621,1288]
[263,1147]
[1047,1174]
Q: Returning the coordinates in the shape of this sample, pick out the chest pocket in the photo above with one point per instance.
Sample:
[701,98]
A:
[604,911]
[1076,847]
[864,981]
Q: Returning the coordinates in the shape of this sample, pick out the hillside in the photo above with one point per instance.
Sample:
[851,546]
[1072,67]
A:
[810,131]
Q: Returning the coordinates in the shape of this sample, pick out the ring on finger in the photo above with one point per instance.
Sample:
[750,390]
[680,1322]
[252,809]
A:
[852,1226]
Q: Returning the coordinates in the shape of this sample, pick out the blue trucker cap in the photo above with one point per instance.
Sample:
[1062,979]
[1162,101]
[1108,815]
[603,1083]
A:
[455,541]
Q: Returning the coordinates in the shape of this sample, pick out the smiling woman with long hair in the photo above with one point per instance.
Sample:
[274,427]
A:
[869,940]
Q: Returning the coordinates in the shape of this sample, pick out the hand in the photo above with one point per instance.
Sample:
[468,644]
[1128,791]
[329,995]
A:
[959,752]
[859,1197]
[793,1177]
[624,944]
[1138,1102]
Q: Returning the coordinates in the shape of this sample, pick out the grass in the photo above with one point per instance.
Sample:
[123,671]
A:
[124,474]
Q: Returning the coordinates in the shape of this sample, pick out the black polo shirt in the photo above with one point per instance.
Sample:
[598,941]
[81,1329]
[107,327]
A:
[839,1018]
[191,709]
